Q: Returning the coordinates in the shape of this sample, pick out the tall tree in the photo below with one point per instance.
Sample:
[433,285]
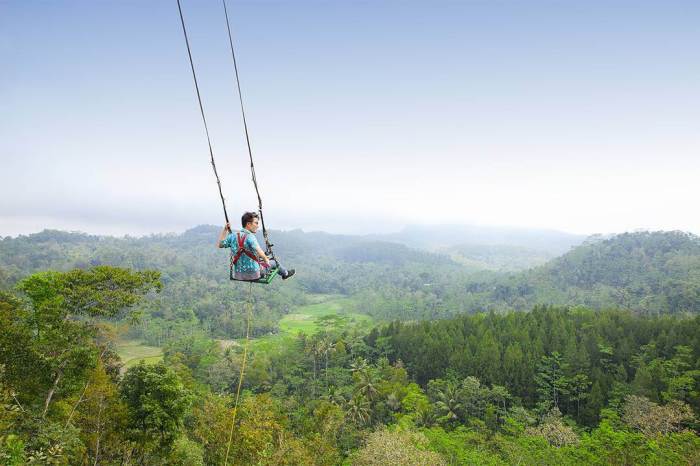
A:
[53,336]
[551,381]
[156,403]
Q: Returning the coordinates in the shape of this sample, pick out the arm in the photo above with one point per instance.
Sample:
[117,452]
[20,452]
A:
[224,233]
[262,255]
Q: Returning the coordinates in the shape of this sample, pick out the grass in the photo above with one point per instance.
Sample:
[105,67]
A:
[332,313]
[326,312]
[133,352]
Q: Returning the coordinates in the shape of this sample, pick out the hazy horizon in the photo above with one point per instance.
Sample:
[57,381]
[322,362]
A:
[484,229]
[579,118]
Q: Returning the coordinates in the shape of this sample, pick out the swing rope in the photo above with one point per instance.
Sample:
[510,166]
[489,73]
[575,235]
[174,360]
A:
[245,127]
[242,373]
[249,306]
[201,110]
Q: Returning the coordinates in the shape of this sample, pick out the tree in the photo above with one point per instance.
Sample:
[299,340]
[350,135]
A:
[156,403]
[185,452]
[259,436]
[11,446]
[101,417]
[578,390]
[209,425]
[403,447]
[447,403]
[54,336]
[366,382]
[553,429]
[358,410]
[681,379]
[473,397]
[551,381]
[500,397]
[650,418]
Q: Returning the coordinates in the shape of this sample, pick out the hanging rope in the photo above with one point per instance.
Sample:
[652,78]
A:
[223,202]
[249,306]
[245,127]
[201,110]
[242,373]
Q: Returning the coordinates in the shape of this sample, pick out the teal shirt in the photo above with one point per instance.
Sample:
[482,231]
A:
[246,268]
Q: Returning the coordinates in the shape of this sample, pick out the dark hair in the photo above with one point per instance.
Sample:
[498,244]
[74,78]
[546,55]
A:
[248,217]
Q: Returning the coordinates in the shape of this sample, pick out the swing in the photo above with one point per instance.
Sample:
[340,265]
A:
[268,275]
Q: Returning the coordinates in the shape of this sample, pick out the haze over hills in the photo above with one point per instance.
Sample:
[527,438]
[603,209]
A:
[407,324]
[650,272]
[476,247]
[503,249]
[647,272]
[436,237]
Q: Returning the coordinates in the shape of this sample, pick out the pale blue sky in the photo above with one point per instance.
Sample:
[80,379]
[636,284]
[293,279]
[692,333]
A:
[364,116]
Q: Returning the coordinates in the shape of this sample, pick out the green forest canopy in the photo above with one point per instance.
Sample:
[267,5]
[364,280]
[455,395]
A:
[612,374]
[551,386]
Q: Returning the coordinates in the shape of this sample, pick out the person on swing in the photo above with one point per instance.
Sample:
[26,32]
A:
[251,262]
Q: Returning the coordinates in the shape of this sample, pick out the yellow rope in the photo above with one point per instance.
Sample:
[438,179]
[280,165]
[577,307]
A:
[240,378]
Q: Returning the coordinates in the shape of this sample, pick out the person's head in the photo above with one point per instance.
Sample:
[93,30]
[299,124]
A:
[250,221]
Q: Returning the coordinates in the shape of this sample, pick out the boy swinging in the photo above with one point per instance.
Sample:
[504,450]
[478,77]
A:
[249,262]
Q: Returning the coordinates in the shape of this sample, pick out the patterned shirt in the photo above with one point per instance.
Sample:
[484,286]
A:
[246,268]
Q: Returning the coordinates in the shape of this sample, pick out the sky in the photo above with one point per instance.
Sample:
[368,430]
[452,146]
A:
[364,116]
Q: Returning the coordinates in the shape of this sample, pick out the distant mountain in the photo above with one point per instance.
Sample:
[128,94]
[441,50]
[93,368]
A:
[499,257]
[648,272]
[345,262]
[651,272]
[197,291]
[441,237]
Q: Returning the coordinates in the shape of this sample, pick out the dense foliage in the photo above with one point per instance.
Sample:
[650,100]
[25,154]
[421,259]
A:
[575,360]
[553,386]
[198,294]
[645,272]
[617,381]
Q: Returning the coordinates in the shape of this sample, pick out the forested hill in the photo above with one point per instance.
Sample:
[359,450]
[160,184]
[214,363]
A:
[646,272]
[556,385]
[651,272]
[194,271]
[346,262]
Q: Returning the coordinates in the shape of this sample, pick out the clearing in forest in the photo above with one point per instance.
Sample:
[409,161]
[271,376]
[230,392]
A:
[335,313]
[132,352]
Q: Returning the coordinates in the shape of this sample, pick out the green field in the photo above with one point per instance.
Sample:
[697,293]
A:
[132,352]
[332,313]
[327,313]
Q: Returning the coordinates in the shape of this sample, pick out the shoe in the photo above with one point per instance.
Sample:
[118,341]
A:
[290,272]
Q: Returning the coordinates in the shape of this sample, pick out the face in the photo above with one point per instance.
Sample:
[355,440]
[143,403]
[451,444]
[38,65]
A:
[252,226]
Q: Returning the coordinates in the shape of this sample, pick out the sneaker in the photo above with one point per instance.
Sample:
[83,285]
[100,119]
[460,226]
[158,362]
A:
[290,272]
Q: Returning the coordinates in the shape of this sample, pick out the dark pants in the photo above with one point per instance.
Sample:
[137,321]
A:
[273,263]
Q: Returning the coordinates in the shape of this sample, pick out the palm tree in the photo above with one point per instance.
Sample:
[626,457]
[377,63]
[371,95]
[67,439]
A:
[314,349]
[358,410]
[334,396]
[367,383]
[328,348]
[358,364]
[447,403]
[425,417]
